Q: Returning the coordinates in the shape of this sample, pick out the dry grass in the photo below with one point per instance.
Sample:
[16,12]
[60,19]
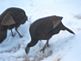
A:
[57,58]
[26,58]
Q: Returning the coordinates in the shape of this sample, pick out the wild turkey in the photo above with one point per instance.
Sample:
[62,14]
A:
[44,29]
[12,18]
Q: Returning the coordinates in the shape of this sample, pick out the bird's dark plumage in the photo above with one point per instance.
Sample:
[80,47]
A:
[44,29]
[12,18]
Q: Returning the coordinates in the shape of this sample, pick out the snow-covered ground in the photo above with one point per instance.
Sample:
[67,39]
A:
[63,46]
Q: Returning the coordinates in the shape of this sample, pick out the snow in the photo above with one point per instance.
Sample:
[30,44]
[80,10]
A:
[63,46]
